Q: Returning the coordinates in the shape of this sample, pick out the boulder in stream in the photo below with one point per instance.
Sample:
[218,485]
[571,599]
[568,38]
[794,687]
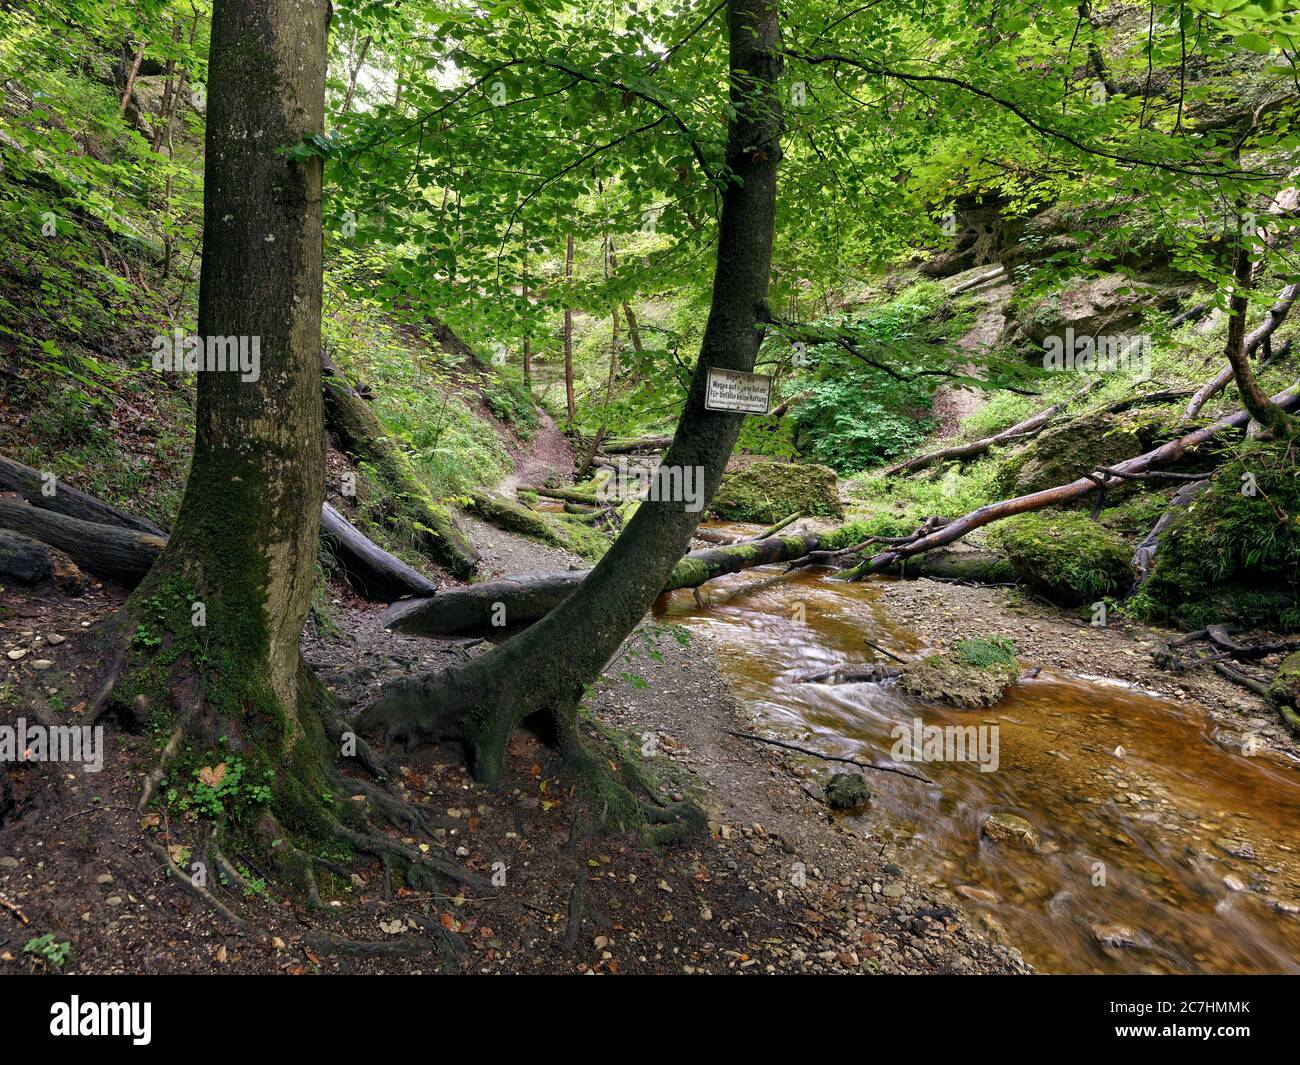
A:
[1010,829]
[972,675]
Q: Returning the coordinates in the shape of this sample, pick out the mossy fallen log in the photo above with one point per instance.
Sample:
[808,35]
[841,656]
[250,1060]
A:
[515,601]
[1165,455]
[359,433]
[372,571]
[52,494]
[569,495]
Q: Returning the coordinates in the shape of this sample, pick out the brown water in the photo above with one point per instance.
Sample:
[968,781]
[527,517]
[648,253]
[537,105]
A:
[1134,846]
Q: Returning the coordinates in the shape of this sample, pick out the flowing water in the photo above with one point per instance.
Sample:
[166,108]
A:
[1179,854]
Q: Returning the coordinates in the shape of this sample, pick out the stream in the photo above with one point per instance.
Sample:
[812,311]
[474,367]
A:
[1178,854]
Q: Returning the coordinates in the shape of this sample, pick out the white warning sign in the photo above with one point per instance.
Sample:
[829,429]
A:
[750,393]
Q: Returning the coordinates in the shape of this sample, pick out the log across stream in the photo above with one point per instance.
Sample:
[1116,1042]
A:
[1133,872]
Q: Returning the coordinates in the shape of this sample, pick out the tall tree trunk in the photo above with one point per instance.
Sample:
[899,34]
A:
[352,75]
[543,672]
[131,73]
[568,337]
[223,609]
[528,344]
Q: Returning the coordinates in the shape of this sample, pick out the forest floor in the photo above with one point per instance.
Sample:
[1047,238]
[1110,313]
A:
[72,860]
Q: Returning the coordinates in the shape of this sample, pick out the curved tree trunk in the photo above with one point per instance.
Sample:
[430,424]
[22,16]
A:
[1259,335]
[1253,398]
[545,669]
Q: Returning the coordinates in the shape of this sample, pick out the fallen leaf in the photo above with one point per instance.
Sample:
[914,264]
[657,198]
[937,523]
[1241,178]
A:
[213,775]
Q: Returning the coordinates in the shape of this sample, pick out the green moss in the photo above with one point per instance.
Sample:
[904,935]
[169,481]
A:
[769,491]
[973,675]
[557,530]
[985,652]
[688,573]
[1230,556]
[1066,556]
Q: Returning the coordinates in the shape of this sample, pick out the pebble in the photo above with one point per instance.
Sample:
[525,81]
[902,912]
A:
[16,654]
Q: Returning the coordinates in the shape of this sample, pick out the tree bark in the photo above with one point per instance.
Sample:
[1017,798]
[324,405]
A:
[568,337]
[1253,398]
[245,538]
[545,669]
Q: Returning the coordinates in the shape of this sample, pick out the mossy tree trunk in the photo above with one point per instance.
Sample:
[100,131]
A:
[212,633]
[411,509]
[543,672]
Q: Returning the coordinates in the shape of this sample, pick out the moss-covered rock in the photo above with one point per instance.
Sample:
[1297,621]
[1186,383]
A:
[769,491]
[1233,554]
[942,679]
[846,791]
[1284,690]
[973,674]
[1066,452]
[1065,555]
[1101,306]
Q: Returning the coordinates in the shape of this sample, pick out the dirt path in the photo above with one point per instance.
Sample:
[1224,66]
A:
[951,405]
[548,454]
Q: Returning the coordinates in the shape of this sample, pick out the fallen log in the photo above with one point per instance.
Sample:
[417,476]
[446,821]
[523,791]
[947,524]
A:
[627,447]
[1168,453]
[358,432]
[569,495]
[124,556]
[979,279]
[64,499]
[109,552]
[868,673]
[373,572]
[1276,315]
[507,514]
[514,601]
[1015,434]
